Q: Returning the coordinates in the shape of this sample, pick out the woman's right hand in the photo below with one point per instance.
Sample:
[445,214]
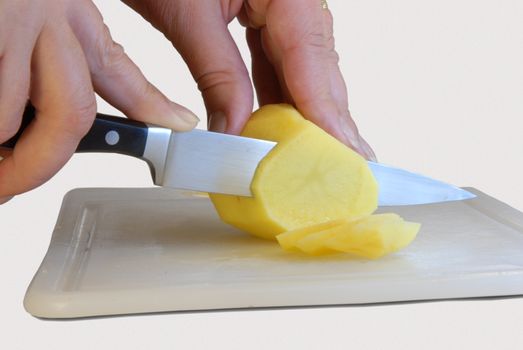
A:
[58,54]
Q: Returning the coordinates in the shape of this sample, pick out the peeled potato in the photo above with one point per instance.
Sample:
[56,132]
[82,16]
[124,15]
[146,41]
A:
[308,178]
[312,193]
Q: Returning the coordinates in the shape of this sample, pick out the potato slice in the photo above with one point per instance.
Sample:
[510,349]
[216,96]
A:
[308,178]
[370,236]
[373,236]
[288,240]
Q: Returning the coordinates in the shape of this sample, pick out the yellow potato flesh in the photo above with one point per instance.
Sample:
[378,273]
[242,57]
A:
[371,236]
[308,178]
[287,240]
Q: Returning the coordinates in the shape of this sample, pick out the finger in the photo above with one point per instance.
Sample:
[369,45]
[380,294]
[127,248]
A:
[15,62]
[263,74]
[210,53]
[299,47]
[338,86]
[339,92]
[119,81]
[217,67]
[266,64]
[14,91]
[62,94]
[368,151]
[355,140]
[198,30]
[303,49]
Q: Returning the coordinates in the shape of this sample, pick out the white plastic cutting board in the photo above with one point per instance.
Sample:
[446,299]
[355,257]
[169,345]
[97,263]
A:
[122,251]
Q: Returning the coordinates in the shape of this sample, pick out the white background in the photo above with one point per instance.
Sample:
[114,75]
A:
[435,86]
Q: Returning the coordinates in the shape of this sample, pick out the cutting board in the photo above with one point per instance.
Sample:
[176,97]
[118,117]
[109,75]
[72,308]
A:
[127,251]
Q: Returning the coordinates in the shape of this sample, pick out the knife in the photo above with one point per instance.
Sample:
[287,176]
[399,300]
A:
[218,163]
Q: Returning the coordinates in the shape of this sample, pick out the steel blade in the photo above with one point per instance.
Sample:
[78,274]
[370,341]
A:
[401,187]
[213,162]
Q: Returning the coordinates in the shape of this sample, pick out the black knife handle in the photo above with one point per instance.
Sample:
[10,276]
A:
[108,134]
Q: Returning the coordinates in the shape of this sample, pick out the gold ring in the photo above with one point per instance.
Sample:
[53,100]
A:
[324,5]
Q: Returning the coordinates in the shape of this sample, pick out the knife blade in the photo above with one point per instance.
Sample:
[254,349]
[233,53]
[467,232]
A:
[401,187]
[234,160]
[214,162]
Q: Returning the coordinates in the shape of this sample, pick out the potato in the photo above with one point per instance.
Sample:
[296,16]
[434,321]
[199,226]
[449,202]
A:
[312,193]
[308,178]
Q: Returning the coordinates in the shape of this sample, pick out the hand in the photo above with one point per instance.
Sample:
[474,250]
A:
[58,53]
[293,59]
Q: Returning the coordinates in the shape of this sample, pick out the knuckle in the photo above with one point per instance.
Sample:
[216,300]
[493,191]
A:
[330,43]
[150,92]
[333,56]
[315,40]
[110,54]
[147,94]
[309,41]
[80,119]
[212,79]
[317,43]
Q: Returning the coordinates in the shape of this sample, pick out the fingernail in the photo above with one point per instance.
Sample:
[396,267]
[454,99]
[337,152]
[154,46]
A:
[188,118]
[372,157]
[369,153]
[217,122]
[351,135]
[5,199]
